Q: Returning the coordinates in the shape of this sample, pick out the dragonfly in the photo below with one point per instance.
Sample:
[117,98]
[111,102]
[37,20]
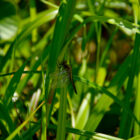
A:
[63,76]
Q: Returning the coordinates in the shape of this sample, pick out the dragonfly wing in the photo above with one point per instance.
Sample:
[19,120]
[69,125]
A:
[59,78]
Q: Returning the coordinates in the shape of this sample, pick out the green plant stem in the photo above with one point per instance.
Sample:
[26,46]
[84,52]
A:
[61,129]
[44,109]
[136,10]
[44,130]
[62,25]
[125,124]
[12,60]
[24,72]
[89,134]
[16,131]
[98,30]
[137,110]
[50,4]
[108,45]
[33,17]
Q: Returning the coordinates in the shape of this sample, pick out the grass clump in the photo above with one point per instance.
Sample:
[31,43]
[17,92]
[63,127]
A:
[51,50]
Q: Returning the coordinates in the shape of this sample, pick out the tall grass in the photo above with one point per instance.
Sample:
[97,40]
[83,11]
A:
[99,40]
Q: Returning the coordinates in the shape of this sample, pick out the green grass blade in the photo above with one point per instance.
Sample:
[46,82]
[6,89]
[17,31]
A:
[88,134]
[134,64]
[28,28]
[83,114]
[31,131]
[44,127]
[6,119]
[17,130]
[135,138]
[13,85]
[61,128]
[42,58]
[121,74]
[115,21]
[63,21]
[98,28]
[137,104]
[64,18]
[98,112]
[33,14]
[50,4]
[108,93]
[108,46]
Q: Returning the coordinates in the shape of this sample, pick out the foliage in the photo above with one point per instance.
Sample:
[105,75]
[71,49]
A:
[48,46]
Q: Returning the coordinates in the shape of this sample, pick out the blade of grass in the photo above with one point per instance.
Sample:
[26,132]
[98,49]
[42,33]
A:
[135,5]
[98,28]
[108,93]
[41,19]
[31,131]
[88,134]
[136,109]
[124,131]
[135,138]
[101,90]
[17,130]
[116,83]
[63,20]
[24,72]
[115,21]
[98,112]
[42,58]
[72,115]
[61,29]
[61,128]
[6,119]
[108,45]
[13,85]
[50,4]
[43,117]
[136,10]
[83,113]
[121,74]
[33,17]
